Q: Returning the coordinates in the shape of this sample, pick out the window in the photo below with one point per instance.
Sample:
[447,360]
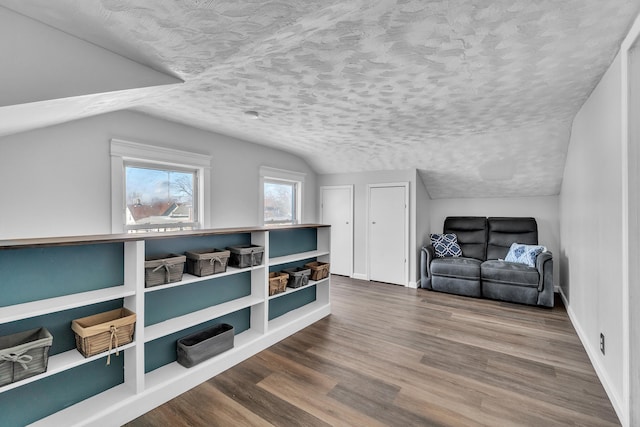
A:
[281,196]
[158,189]
[160,198]
[280,202]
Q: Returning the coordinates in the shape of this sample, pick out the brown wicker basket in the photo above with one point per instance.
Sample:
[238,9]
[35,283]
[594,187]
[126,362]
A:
[104,331]
[207,262]
[319,270]
[163,269]
[277,282]
[24,354]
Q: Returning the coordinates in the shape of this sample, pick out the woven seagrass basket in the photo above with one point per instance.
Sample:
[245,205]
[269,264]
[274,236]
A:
[163,269]
[319,270]
[277,282]
[207,262]
[104,331]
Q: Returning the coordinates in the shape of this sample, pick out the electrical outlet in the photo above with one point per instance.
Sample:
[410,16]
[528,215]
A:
[602,342]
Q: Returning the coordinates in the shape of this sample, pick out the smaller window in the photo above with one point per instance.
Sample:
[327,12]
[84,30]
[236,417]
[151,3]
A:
[160,198]
[280,202]
[281,193]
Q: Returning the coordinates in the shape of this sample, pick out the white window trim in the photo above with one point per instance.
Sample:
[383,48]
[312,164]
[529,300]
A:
[268,173]
[123,151]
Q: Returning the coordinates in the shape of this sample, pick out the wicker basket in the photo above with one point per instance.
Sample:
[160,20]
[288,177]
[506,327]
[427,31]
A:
[104,331]
[24,354]
[277,282]
[163,269]
[297,276]
[207,262]
[243,256]
[319,270]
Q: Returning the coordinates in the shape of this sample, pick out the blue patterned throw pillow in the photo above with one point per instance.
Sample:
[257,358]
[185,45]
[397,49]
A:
[524,254]
[446,245]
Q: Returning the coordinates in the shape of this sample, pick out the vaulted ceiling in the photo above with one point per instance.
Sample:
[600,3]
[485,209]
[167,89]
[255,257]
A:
[479,95]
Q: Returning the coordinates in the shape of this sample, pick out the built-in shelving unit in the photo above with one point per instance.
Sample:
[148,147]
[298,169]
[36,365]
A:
[110,274]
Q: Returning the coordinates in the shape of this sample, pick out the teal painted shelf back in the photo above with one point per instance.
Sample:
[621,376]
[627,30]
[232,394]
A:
[180,300]
[286,303]
[38,273]
[287,242]
[30,402]
[162,351]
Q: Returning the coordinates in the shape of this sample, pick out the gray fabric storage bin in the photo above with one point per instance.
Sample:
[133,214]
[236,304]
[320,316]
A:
[205,344]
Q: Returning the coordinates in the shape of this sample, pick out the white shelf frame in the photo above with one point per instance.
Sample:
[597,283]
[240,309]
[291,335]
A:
[289,291]
[142,391]
[164,374]
[297,257]
[51,305]
[175,324]
[189,278]
[63,361]
[283,322]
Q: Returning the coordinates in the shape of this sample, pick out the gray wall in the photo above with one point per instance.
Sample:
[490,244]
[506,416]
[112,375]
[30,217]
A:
[591,230]
[57,180]
[423,220]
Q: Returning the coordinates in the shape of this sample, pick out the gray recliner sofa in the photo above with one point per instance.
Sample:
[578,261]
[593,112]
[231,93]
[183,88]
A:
[481,270]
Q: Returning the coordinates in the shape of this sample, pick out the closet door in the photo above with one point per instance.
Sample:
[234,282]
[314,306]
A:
[388,233]
[336,209]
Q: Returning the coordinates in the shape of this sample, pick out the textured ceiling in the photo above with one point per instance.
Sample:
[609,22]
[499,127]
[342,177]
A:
[477,95]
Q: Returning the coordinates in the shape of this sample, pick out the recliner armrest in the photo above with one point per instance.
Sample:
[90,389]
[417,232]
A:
[544,265]
[427,253]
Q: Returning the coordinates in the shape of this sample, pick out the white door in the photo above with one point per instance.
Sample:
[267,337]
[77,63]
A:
[336,209]
[388,233]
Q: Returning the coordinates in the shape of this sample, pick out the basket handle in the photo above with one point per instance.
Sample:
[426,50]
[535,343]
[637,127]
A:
[214,259]
[22,359]
[114,337]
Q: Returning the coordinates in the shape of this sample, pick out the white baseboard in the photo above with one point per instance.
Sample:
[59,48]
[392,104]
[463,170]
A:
[359,276]
[597,365]
[413,285]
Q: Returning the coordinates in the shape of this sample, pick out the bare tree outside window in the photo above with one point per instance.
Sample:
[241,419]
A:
[159,199]
[279,202]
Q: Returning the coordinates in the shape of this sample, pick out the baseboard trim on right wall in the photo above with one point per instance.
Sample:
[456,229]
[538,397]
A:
[595,362]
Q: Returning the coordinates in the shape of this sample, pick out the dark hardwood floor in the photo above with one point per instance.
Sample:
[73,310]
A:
[393,356]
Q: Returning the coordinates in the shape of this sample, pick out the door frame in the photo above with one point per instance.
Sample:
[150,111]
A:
[406,227]
[630,93]
[341,187]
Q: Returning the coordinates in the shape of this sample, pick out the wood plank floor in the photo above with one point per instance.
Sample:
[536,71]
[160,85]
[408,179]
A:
[393,356]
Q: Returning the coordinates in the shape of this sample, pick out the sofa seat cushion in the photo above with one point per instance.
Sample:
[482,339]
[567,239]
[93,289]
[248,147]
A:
[458,267]
[509,273]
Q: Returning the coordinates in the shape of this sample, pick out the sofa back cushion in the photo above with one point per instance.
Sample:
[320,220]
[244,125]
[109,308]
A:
[503,232]
[472,234]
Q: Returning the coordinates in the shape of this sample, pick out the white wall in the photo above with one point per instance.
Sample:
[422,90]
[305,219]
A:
[543,209]
[423,220]
[360,181]
[57,180]
[591,230]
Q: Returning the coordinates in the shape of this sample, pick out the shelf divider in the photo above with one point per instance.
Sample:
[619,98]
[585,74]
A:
[296,257]
[179,323]
[65,302]
[289,290]
[64,361]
